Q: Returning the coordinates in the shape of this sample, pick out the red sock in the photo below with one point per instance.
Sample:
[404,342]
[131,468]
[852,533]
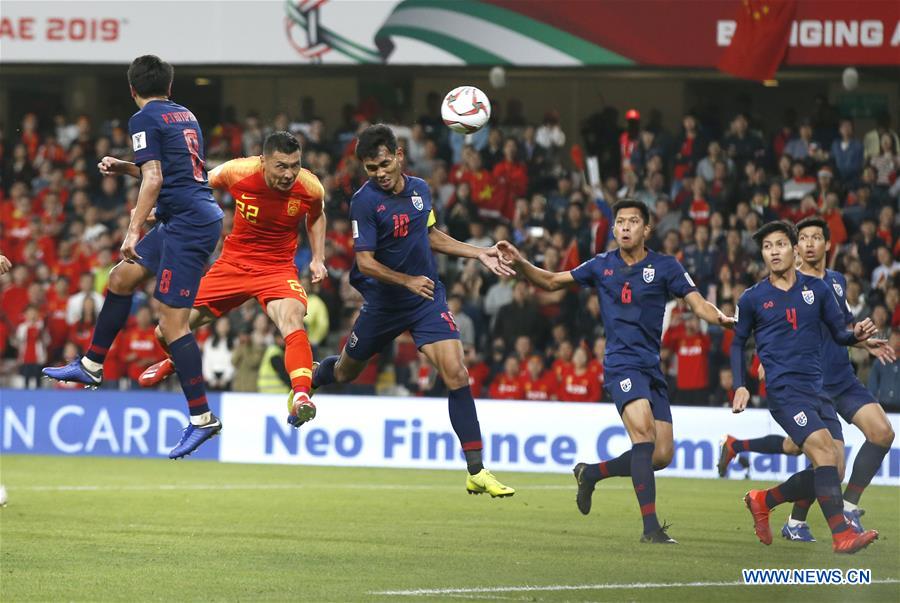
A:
[298,360]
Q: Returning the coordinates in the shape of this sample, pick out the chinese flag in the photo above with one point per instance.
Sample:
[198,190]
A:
[760,40]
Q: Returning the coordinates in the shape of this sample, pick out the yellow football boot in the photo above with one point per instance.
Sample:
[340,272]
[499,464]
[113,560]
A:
[484,481]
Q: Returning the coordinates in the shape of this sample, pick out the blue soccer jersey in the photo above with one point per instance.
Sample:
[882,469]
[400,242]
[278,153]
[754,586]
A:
[633,303]
[838,372]
[167,132]
[395,227]
[788,328]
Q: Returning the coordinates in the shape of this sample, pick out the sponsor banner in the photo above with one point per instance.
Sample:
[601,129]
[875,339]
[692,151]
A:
[101,423]
[517,436]
[434,32]
[385,432]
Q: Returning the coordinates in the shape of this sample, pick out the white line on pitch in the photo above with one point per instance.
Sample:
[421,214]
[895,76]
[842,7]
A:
[570,587]
[176,487]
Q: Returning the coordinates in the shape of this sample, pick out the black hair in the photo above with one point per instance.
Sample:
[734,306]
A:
[150,76]
[282,142]
[816,222]
[777,226]
[628,203]
[372,139]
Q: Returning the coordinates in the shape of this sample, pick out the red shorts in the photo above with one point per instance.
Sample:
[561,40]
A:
[227,286]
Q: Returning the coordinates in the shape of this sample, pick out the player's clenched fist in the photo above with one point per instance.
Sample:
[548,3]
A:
[421,285]
[741,397]
[5,264]
[110,166]
[317,271]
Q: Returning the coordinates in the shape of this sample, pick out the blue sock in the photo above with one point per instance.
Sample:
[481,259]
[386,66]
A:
[324,374]
[800,486]
[866,465]
[828,494]
[189,365]
[112,318]
[771,444]
[464,418]
[645,483]
[617,467]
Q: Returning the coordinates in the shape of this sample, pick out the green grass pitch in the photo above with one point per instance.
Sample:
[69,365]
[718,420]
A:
[91,529]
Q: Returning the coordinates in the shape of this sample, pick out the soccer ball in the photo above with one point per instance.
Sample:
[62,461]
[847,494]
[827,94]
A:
[465,109]
[3,497]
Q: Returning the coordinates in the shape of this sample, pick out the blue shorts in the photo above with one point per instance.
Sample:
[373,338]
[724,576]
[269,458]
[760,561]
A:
[800,412]
[849,398]
[178,254]
[625,385]
[375,328]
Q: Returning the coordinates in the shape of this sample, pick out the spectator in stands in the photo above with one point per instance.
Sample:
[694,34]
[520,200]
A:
[138,346]
[799,184]
[218,370]
[886,162]
[246,358]
[692,349]
[507,385]
[273,377]
[579,384]
[31,341]
[872,143]
[75,305]
[521,317]
[887,267]
[847,153]
[741,144]
[537,384]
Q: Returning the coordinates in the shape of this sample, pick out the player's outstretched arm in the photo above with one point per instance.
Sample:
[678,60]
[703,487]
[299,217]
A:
[151,183]
[110,166]
[489,256]
[743,328]
[315,228]
[368,265]
[708,311]
[549,281]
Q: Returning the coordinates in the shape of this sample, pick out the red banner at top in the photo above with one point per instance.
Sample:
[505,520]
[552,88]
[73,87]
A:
[695,33]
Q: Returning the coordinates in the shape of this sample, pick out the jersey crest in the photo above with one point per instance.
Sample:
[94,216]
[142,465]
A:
[808,296]
[800,419]
[417,202]
[838,289]
[649,273]
[294,206]
[625,384]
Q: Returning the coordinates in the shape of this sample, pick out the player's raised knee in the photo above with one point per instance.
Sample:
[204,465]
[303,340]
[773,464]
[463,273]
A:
[455,376]
[882,435]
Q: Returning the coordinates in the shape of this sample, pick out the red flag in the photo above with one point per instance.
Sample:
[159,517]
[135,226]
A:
[577,155]
[760,40]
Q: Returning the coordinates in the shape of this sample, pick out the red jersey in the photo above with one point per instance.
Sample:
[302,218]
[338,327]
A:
[693,362]
[541,389]
[266,221]
[579,388]
[560,367]
[505,387]
[139,349]
[595,366]
[478,374]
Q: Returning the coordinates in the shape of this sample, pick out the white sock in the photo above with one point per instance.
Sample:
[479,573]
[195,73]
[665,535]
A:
[849,506]
[90,364]
[201,419]
[795,523]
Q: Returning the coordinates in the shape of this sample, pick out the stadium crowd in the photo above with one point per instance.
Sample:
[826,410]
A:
[708,188]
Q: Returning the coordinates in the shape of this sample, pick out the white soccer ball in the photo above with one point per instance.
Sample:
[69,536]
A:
[850,79]
[3,497]
[465,109]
